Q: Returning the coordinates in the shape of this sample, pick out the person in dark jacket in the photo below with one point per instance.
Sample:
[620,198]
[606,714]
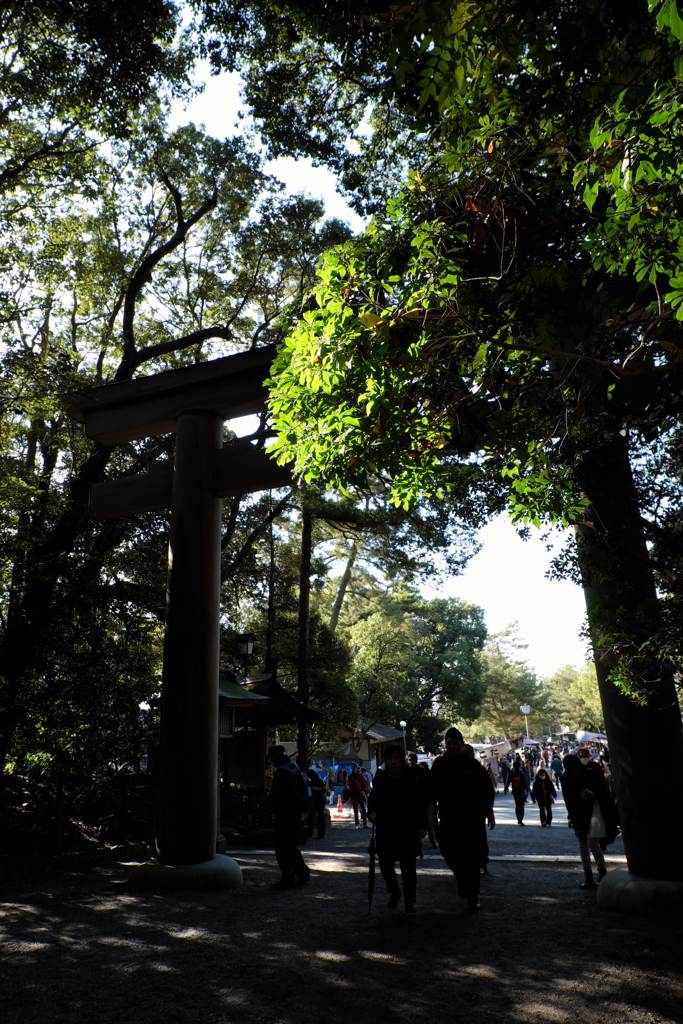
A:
[505,773]
[543,793]
[519,784]
[556,767]
[584,790]
[398,806]
[461,795]
[423,772]
[358,788]
[317,787]
[288,798]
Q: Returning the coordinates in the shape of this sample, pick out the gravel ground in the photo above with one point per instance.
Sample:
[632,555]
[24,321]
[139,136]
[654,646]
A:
[81,947]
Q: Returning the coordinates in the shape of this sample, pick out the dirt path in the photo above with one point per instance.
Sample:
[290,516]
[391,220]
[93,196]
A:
[82,948]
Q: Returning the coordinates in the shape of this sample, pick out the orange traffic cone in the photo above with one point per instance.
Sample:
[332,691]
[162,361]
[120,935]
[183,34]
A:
[340,809]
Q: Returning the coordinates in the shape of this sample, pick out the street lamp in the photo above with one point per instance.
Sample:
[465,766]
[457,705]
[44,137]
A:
[526,710]
[403,726]
[245,645]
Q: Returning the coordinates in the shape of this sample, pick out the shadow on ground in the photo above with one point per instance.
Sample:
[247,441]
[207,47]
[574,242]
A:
[84,948]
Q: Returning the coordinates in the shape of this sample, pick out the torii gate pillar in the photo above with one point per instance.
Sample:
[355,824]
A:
[189,712]
[192,401]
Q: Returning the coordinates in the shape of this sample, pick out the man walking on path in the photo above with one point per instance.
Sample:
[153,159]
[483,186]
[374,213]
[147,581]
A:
[520,788]
[461,797]
[358,790]
[289,800]
[556,767]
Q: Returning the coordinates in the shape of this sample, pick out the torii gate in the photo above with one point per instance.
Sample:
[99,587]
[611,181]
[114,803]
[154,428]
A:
[193,402]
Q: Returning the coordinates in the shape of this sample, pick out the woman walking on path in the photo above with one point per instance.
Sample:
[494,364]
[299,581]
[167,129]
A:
[543,793]
[592,814]
[398,806]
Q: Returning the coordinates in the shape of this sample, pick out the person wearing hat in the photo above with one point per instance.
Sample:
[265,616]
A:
[289,801]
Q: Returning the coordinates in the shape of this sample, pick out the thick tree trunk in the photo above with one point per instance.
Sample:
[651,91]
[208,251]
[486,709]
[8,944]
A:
[644,732]
[304,620]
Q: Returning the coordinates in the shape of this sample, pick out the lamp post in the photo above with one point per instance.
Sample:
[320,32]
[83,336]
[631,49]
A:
[245,645]
[403,726]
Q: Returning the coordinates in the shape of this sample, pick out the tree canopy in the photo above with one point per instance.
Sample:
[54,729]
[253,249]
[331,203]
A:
[497,306]
[418,660]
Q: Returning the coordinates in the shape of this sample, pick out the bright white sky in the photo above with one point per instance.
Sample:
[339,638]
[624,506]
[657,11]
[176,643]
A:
[506,578]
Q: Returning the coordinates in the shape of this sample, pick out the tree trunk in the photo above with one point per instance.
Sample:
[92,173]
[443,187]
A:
[343,586]
[644,730]
[25,646]
[304,620]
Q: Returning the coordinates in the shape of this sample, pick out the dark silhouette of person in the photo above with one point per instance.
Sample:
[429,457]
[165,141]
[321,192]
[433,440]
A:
[319,800]
[584,790]
[398,806]
[519,784]
[461,801]
[423,772]
[358,788]
[288,798]
[543,793]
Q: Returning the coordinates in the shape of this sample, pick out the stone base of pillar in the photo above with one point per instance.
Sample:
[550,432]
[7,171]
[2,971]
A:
[218,873]
[646,897]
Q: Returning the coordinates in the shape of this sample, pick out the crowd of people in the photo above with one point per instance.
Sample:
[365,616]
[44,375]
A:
[451,802]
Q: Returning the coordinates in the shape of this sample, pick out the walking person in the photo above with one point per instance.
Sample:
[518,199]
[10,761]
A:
[318,796]
[398,806]
[461,799]
[519,785]
[358,789]
[543,793]
[505,773]
[591,813]
[330,783]
[423,772]
[289,801]
[556,768]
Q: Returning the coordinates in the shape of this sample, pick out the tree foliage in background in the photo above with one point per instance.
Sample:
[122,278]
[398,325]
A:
[509,684]
[417,660]
[125,248]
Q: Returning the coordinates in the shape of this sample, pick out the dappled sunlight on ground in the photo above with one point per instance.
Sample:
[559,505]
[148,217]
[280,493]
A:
[85,949]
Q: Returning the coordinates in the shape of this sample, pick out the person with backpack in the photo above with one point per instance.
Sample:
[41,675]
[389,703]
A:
[520,788]
[290,802]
